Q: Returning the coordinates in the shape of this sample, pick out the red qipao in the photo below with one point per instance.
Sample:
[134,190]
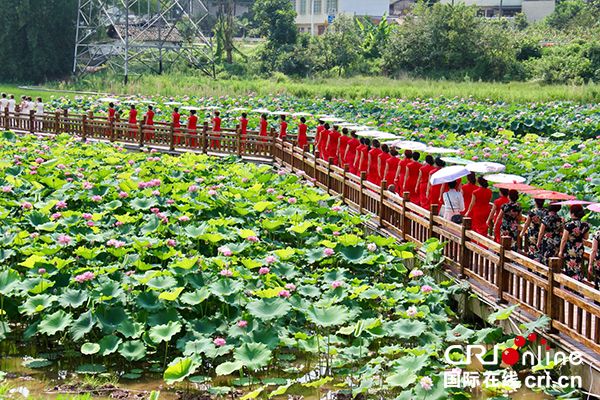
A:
[319,137]
[467,191]
[392,167]
[111,114]
[149,122]
[412,175]
[132,122]
[434,190]
[302,137]
[215,143]
[243,130]
[192,125]
[373,173]
[363,160]
[263,128]
[401,174]
[481,210]
[283,130]
[499,202]
[344,140]
[176,118]
[381,163]
[355,168]
[332,146]
[323,143]
[351,152]
[425,170]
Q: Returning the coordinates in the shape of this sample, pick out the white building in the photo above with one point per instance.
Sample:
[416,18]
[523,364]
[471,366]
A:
[314,15]
[534,10]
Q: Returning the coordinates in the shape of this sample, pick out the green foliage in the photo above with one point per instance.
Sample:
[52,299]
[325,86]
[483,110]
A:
[37,39]
[575,14]
[275,20]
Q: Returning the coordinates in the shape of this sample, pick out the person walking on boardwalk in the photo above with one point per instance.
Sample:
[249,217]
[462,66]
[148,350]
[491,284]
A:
[176,120]
[333,143]
[192,129]
[132,121]
[496,207]
[243,129]
[412,176]
[363,163]
[355,168]
[509,219]
[550,234]
[434,191]
[318,137]
[391,167]
[423,179]
[12,104]
[479,207]
[3,103]
[453,202]
[283,125]
[401,172]
[112,112]
[351,151]
[342,147]
[468,188]
[372,164]
[571,246]
[531,229]
[215,142]
[324,141]
[302,139]
[149,123]
[263,126]
[382,162]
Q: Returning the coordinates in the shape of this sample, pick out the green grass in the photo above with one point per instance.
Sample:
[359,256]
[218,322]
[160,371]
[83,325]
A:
[177,84]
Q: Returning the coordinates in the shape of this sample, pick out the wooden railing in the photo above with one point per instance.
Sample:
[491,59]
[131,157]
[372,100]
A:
[493,270]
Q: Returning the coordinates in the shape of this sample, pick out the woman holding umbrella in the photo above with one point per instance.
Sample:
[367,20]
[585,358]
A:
[531,228]
[571,245]
[509,217]
[433,191]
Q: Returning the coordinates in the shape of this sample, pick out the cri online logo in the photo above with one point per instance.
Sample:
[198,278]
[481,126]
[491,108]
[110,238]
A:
[512,355]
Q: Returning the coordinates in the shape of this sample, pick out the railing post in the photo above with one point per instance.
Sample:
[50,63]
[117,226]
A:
[238,132]
[273,142]
[112,130]
[84,127]
[117,126]
[66,125]
[141,132]
[363,176]
[172,136]
[31,121]
[501,275]
[329,162]
[464,252]
[56,121]
[553,306]
[6,120]
[382,190]
[344,177]
[205,138]
[405,221]
[432,213]
[315,164]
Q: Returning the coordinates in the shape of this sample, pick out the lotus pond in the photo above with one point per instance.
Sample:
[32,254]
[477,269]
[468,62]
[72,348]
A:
[234,278]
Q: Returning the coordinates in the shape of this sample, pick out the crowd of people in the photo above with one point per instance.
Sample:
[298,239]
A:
[8,102]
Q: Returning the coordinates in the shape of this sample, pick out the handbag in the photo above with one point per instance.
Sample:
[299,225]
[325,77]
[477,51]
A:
[456,218]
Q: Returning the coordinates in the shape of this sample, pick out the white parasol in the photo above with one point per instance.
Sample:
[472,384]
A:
[439,150]
[505,178]
[456,160]
[301,114]
[261,111]
[376,134]
[108,100]
[190,108]
[408,145]
[448,174]
[172,103]
[331,119]
[485,167]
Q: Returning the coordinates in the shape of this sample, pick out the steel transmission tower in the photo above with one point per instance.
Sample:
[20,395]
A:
[135,36]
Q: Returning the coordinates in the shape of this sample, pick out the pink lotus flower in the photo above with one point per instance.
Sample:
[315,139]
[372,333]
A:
[33,172]
[292,200]
[56,215]
[372,247]
[86,185]
[193,189]
[90,223]
[252,239]
[284,293]
[226,272]
[7,189]
[567,166]
[242,323]
[61,166]
[33,235]
[280,197]
[244,179]
[412,311]
[115,243]
[170,201]
[270,190]
[171,242]
[129,273]
[184,218]
[219,342]
[212,192]
[270,259]
[474,158]
[96,198]
[426,383]
[426,289]
[85,277]
[226,251]
[154,210]
[64,239]
[42,271]
[61,205]
[118,223]
[319,229]
[415,273]
[290,286]
[156,193]
[264,271]
[39,160]
[123,195]
[328,252]
[87,216]
[336,208]
[336,284]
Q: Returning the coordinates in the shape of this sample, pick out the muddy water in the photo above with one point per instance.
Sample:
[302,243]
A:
[41,383]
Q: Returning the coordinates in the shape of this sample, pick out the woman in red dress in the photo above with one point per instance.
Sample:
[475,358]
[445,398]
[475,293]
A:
[400,174]
[423,180]
[343,146]
[498,203]
[216,143]
[192,125]
[302,140]
[320,128]
[479,207]
[434,191]
[411,177]
[363,162]
[149,122]
[468,189]
[351,151]
[372,166]
[324,141]
[333,144]
[355,169]
[132,121]
[263,127]
[111,112]
[381,163]
[176,118]
[283,128]
[391,167]
[243,129]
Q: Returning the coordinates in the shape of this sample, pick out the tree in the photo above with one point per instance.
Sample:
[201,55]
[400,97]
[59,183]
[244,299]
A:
[224,30]
[276,21]
[341,44]
[37,38]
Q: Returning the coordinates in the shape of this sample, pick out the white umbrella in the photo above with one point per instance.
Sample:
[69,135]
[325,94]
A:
[331,119]
[448,174]
[408,145]
[130,101]
[485,167]
[504,178]
[376,134]
[207,108]
[455,160]
[190,108]
[439,150]
[302,114]
[279,113]
[261,111]
[356,128]
[147,102]
[108,100]
[172,103]
[238,109]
